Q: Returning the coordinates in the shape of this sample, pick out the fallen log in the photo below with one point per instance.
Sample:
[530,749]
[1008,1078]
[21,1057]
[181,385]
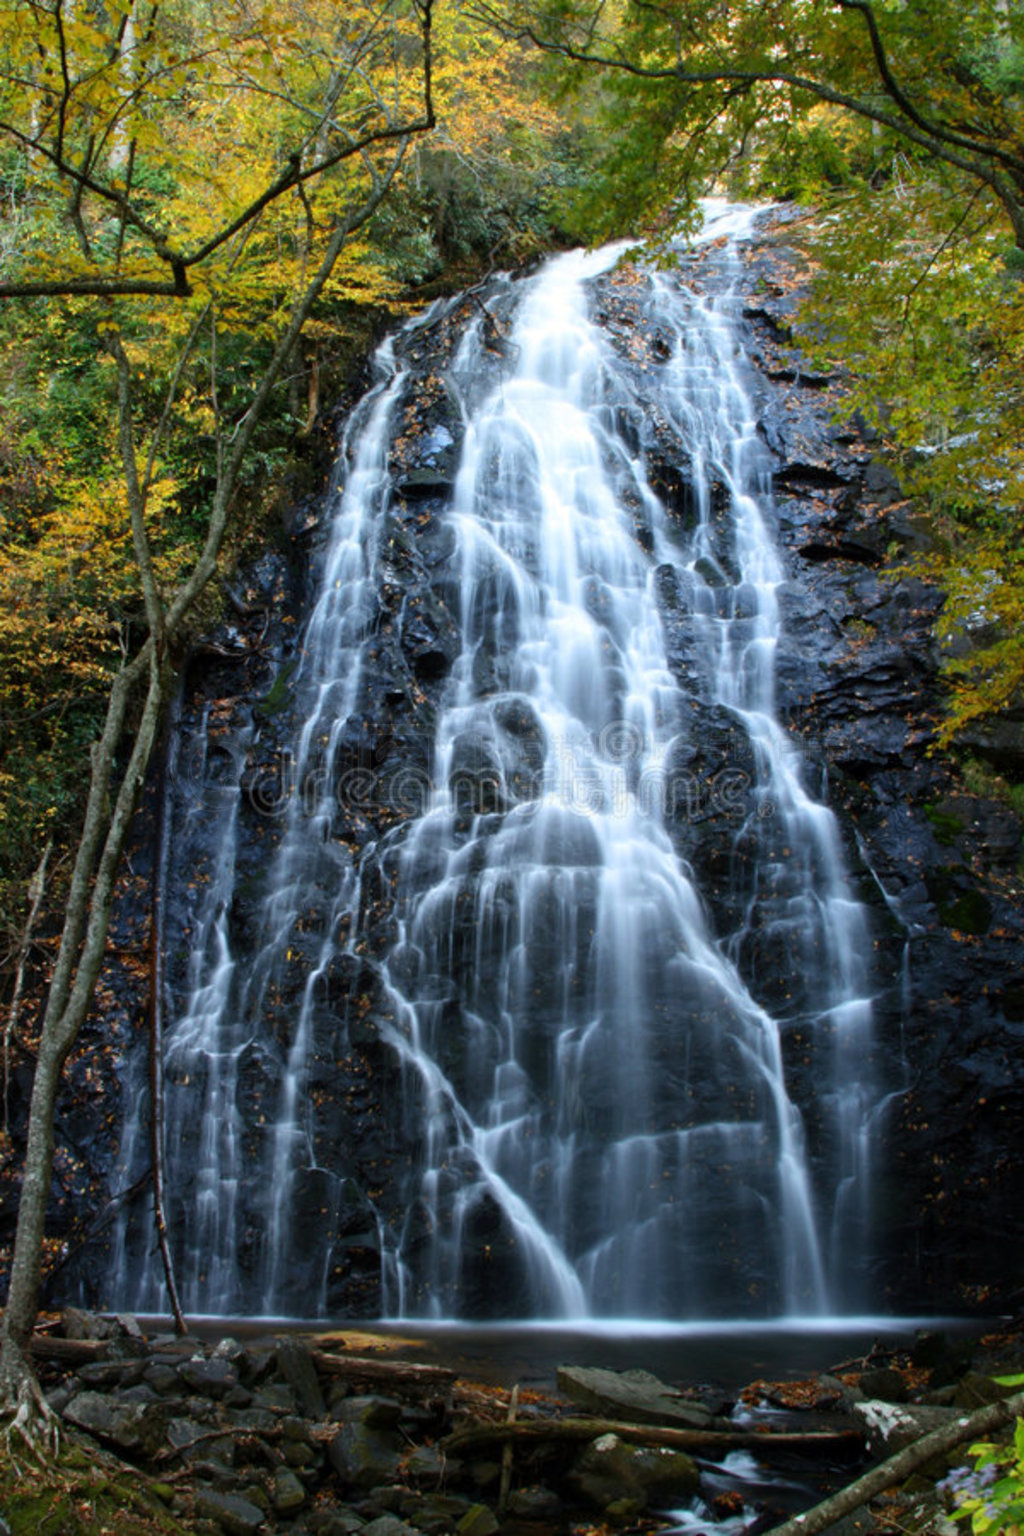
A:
[899,1467]
[395,1373]
[539,1430]
[46,1346]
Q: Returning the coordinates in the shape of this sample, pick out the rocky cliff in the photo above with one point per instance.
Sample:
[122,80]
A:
[935,865]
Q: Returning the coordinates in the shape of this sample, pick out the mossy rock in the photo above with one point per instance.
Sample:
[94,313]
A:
[970,913]
[78,1497]
[946,827]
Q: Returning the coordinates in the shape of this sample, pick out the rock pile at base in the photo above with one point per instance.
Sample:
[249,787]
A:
[274,1435]
[294,1434]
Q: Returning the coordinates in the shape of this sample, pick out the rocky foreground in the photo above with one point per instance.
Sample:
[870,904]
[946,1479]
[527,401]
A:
[320,1435]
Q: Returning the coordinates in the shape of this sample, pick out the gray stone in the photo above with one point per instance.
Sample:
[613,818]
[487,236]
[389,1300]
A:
[535,1503]
[213,1378]
[885,1383]
[295,1363]
[235,1515]
[142,1393]
[438,1514]
[275,1394]
[636,1396]
[184,1431]
[288,1493]
[374,1412]
[110,1373]
[257,1421]
[162,1378]
[137,1427]
[890,1427]
[392,1498]
[230,1350]
[426,1465]
[478,1521]
[609,1470]
[79,1324]
[363,1457]
[58,1398]
[297,1453]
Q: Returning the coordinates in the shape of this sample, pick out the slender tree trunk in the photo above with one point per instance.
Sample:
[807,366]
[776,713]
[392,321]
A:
[59,1033]
[898,1468]
[87,917]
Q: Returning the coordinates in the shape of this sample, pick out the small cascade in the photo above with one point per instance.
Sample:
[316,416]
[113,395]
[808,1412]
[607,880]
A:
[580,1029]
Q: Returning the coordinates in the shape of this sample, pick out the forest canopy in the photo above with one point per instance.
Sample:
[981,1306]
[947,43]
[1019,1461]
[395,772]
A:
[172,175]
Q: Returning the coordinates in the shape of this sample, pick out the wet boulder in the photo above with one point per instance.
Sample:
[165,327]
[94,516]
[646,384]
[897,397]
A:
[610,1470]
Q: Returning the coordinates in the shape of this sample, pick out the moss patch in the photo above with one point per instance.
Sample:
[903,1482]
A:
[80,1495]
[970,913]
[946,827]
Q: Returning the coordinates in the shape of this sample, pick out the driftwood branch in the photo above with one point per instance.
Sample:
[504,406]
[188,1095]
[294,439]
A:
[899,1467]
[539,1430]
[395,1373]
[46,1346]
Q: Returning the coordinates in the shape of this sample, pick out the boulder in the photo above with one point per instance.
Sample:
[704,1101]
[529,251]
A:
[288,1493]
[388,1525]
[610,1470]
[363,1457]
[535,1503]
[478,1521]
[373,1411]
[231,1512]
[890,1427]
[295,1363]
[139,1428]
[212,1378]
[636,1396]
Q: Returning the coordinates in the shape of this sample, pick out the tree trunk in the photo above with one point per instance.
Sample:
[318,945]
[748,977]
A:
[60,1031]
[542,1431]
[899,1467]
[87,916]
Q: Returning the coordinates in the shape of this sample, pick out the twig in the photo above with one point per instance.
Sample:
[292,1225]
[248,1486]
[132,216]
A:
[533,1430]
[506,1454]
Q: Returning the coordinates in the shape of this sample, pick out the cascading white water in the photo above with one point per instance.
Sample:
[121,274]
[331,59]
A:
[603,1118]
[594,975]
[217,1034]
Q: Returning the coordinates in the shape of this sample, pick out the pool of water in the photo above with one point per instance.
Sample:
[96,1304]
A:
[721,1353]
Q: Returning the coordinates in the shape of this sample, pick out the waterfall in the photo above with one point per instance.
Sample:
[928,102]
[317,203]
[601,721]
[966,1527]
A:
[613,1007]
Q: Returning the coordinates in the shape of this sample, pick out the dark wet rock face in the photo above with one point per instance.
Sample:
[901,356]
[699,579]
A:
[857,688]
[937,867]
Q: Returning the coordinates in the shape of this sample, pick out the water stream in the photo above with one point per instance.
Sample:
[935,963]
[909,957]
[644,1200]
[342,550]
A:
[625,1089]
